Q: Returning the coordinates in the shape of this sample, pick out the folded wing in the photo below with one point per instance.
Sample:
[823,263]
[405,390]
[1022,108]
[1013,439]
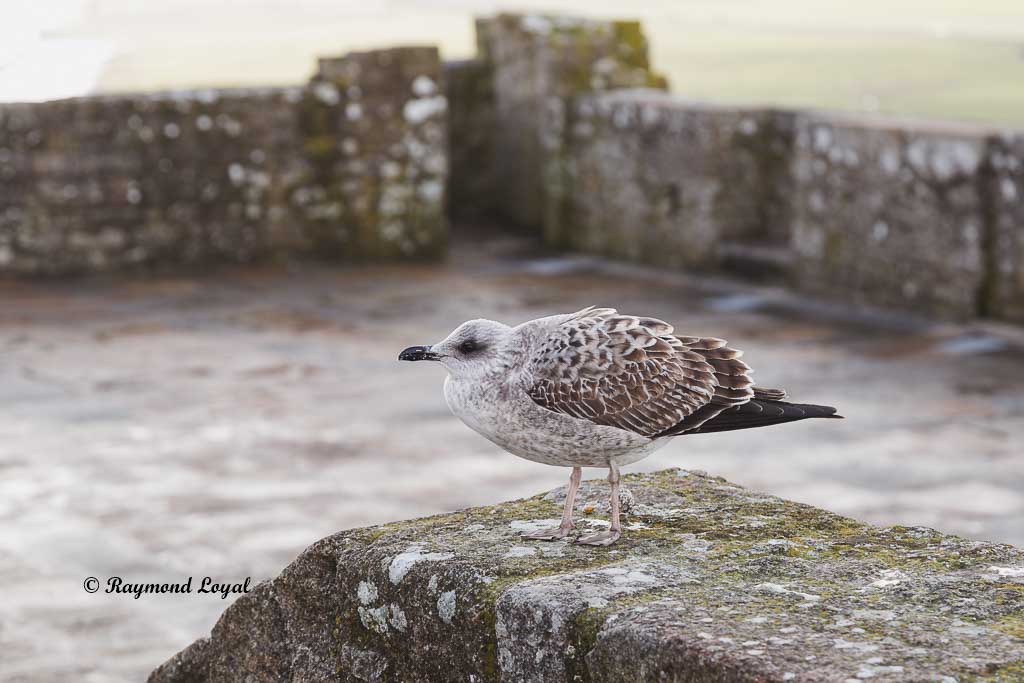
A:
[634,373]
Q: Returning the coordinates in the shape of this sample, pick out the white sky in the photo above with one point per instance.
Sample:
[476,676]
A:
[57,48]
[37,64]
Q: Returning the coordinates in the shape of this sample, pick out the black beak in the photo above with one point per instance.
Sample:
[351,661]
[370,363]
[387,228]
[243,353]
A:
[418,353]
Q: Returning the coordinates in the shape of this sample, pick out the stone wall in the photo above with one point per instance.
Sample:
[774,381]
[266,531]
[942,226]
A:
[921,217]
[711,582]
[354,164]
[557,127]
[651,178]
[892,215]
[538,64]
[102,183]
[903,215]
[375,133]
[1004,197]
[471,119]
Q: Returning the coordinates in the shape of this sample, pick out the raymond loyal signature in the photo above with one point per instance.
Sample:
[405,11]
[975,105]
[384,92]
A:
[115,584]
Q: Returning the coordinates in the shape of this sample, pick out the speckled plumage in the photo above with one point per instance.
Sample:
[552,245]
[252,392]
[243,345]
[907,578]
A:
[596,388]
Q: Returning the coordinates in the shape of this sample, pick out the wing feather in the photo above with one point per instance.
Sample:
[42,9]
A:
[634,373]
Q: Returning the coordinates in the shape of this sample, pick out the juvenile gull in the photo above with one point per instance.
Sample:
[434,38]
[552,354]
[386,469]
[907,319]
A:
[597,388]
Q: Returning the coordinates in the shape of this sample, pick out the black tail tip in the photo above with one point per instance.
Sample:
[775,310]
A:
[822,411]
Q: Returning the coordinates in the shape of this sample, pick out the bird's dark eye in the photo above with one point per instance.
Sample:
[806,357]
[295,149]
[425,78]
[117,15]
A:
[468,346]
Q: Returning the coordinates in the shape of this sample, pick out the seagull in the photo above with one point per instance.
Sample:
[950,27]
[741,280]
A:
[597,388]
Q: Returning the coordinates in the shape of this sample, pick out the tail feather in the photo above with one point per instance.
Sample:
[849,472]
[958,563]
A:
[770,394]
[763,413]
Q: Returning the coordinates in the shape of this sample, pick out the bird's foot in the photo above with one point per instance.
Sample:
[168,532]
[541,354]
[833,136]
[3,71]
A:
[601,538]
[552,534]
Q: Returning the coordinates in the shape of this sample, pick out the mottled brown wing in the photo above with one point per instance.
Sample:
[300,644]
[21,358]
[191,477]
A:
[633,373]
[733,385]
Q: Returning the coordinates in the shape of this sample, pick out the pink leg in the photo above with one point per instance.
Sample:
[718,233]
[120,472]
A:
[615,530]
[565,527]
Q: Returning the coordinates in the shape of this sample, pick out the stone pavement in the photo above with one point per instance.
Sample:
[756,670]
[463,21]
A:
[217,424]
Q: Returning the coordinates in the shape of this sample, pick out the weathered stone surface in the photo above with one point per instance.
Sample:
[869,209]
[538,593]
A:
[924,217]
[472,188]
[913,216]
[353,165]
[1004,190]
[656,179]
[711,583]
[538,64]
[891,214]
[375,127]
[108,182]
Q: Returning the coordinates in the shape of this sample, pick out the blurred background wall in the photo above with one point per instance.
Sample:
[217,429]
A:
[557,126]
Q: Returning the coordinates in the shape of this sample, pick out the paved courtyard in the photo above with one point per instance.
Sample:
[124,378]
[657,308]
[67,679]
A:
[215,425]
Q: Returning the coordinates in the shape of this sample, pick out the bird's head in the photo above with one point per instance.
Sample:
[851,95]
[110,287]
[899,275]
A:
[473,348]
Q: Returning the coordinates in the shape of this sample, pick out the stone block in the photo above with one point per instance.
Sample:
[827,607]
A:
[1004,292]
[892,215]
[353,166]
[539,63]
[374,127]
[657,179]
[103,183]
[472,187]
[712,582]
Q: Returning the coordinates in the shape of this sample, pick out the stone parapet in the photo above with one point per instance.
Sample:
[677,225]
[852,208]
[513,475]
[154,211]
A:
[711,582]
[353,165]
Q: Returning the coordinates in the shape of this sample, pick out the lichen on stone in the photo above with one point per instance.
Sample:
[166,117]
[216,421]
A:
[717,581]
